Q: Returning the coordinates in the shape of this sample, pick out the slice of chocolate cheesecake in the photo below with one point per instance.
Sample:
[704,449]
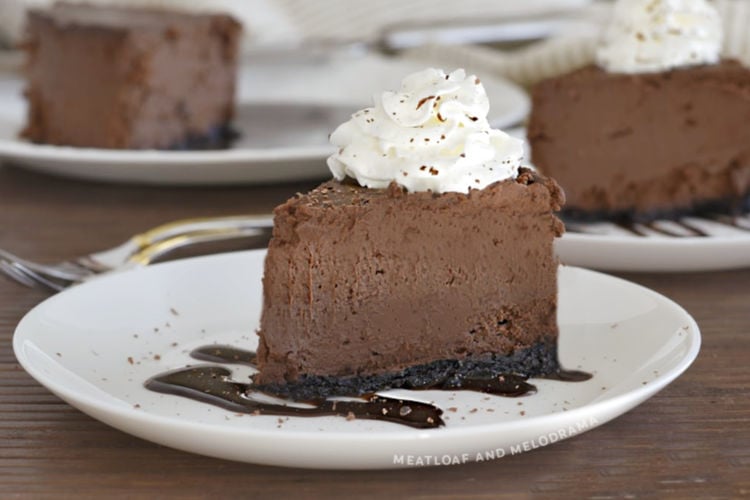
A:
[657,128]
[367,289]
[127,78]
[646,145]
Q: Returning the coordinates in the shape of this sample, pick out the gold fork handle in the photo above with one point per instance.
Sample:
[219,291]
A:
[168,236]
[170,230]
[148,254]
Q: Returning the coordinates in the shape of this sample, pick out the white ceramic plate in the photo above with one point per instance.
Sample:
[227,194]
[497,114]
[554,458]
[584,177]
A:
[663,246]
[78,344]
[286,142]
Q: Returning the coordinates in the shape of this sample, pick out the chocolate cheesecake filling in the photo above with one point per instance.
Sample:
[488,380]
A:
[372,287]
[645,146]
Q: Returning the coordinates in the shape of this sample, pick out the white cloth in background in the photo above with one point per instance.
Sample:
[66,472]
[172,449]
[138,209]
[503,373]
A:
[365,19]
[290,21]
[264,20]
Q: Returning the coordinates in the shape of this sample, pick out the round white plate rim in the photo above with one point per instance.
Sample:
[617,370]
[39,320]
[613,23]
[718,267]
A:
[139,159]
[672,243]
[655,254]
[627,400]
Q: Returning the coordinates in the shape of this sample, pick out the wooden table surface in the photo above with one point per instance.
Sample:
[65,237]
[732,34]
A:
[690,440]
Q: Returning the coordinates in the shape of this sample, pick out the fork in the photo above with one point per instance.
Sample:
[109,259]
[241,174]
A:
[140,250]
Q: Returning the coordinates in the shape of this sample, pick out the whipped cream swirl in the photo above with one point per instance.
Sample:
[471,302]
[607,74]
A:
[658,35]
[431,135]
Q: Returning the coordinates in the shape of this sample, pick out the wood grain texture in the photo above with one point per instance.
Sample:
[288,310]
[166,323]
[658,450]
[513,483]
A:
[690,440]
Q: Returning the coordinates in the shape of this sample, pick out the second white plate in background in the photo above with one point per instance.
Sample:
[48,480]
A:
[614,250]
[286,143]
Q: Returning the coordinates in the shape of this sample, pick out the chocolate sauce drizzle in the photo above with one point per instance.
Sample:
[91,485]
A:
[213,385]
[508,385]
[568,376]
[224,354]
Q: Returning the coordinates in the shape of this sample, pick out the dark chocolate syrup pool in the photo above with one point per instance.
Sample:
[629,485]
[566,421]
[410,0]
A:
[212,384]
